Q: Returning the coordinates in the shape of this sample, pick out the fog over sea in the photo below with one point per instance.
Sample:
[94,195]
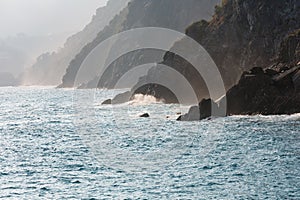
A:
[53,146]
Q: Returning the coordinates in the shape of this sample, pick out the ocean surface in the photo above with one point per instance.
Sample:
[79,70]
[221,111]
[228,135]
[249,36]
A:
[63,144]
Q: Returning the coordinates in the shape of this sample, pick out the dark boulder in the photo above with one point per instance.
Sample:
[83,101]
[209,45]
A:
[146,115]
[192,115]
[122,98]
[200,112]
[206,108]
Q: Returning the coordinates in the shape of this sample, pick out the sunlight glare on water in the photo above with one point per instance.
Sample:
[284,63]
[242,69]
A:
[44,153]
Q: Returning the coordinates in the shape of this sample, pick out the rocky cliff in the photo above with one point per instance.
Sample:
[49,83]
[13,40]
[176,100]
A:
[172,14]
[269,91]
[51,66]
[243,34]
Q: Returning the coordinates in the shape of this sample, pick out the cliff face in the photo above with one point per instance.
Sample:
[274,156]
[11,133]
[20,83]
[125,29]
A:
[50,67]
[242,34]
[172,14]
[274,90]
[246,34]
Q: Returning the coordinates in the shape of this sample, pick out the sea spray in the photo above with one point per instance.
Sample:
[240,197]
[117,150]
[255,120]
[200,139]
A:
[140,99]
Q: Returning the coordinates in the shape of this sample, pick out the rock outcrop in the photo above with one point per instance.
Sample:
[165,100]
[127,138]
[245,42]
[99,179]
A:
[202,111]
[258,92]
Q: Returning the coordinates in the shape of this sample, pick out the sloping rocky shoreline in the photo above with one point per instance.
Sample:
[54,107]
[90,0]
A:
[258,92]
[273,90]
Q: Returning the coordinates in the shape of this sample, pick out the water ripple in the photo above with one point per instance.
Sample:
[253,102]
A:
[113,154]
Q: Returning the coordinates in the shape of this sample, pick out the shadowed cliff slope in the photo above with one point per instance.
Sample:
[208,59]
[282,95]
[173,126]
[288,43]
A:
[243,34]
[51,66]
[272,90]
[172,14]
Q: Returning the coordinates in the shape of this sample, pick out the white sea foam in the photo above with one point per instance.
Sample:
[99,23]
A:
[140,99]
[292,117]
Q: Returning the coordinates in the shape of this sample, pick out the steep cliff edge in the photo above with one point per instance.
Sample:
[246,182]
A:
[274,90]
[242,35]
[172,14]
[51,66]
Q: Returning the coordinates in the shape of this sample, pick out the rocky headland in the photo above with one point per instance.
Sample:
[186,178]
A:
[274,90]
[256,47]
[170,14]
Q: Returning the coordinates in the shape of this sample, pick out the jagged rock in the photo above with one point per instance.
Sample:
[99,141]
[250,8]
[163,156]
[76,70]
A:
[192,115]
[200,112]
[205,107]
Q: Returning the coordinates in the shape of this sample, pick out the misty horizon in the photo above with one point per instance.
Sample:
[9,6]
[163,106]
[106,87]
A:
[49,17]
[30,28]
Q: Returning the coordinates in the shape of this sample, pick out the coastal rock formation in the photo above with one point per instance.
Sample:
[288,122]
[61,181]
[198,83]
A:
[51,66]
[269,91]
[242,35]
[258,92]
[171,14]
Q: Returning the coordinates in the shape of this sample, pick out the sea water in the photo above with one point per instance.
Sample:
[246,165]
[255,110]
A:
[63,144]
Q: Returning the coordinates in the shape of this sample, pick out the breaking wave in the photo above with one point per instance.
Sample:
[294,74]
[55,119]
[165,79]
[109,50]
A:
[140,99]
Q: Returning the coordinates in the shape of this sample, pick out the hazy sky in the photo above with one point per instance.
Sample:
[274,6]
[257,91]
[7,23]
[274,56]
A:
[44,26]
[45,17]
